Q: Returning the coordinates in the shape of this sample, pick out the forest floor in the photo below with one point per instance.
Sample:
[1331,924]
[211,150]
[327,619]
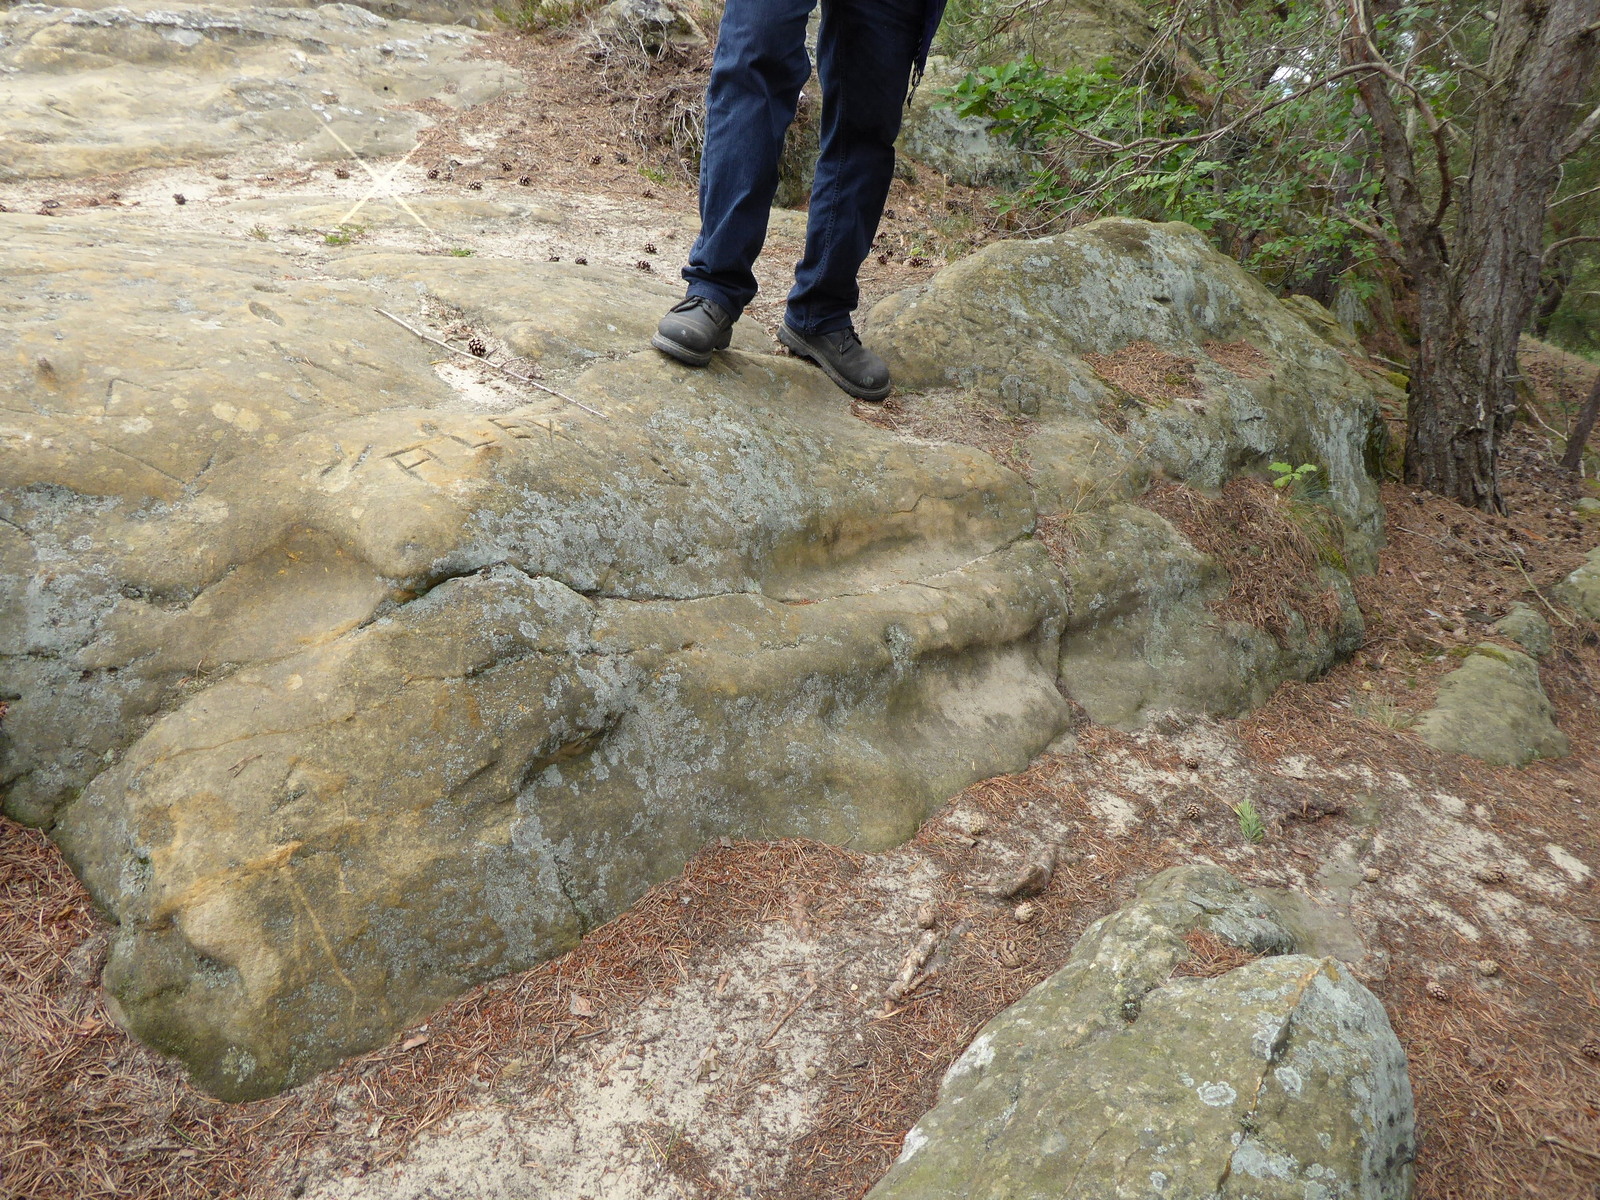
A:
[730,1034]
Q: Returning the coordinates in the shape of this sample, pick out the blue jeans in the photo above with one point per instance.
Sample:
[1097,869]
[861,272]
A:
[865,53]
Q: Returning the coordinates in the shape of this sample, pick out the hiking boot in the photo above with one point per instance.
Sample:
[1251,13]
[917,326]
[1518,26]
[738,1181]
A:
[692,329]
[843,359]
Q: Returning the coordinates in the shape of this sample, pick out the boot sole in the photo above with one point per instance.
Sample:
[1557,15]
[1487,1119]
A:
[677,350]
[798,346]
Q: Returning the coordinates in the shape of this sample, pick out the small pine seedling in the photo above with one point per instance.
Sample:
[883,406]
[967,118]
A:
[1283,475]
[1250,823]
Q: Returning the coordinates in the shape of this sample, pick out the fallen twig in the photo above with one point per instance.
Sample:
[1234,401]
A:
[506,371]
[1553,1140]
[787,1013]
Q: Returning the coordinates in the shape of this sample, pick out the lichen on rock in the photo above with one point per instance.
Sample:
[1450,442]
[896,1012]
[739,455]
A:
[1035,323]
[342,696]
[1493,707]
[1279,1079]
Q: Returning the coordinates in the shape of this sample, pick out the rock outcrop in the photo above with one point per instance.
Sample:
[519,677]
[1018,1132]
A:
[100,88]
[1278,1080]
[347,681]
[1241,382]
[345,689]
[342,695]
[1493,707]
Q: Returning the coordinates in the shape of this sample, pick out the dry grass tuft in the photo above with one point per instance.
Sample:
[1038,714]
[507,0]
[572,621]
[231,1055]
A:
[1210,956]
[970,418]
[1147,372]
[1240,357]
[1271,546]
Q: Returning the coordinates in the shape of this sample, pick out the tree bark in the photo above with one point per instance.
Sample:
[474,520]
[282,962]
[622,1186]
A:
[1474,296]
[1572,460]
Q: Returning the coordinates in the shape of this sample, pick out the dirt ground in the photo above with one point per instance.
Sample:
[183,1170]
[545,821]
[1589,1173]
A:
[736,1033]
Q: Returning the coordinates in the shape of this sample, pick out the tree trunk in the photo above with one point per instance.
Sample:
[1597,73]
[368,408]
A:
[1452,441]
[1572,460]
[1474,296]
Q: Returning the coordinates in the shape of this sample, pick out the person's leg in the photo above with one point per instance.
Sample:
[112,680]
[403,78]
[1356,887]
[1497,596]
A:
[865,51]
[756,77]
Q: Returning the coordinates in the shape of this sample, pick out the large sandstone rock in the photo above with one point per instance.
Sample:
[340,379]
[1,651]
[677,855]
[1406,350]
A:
[1278,1080]
[343,694]
[101,88]
[1017,320]
[1493,707]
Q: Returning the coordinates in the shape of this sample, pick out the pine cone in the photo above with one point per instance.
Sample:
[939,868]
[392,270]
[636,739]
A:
[477,348]
[1490,875]
[526,181]
[475,186]
[433,172]
[1437,992]
[1590,1048]
[340,173]
[1192,812]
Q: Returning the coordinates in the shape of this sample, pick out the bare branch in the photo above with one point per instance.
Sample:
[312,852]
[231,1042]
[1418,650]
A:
[1585,130]
[1569,241]
[1381,239]
[1574,196]
[1358,9]
[1399,164]
[533,383]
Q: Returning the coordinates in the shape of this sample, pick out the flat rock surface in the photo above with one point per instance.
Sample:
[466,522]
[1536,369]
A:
[92,90]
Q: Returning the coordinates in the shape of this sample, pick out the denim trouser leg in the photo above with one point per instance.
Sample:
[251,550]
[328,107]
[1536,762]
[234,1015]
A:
[865,50]
[756,77]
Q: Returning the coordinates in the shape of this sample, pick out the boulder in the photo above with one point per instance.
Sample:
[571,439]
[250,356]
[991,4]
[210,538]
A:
[1060,34]
[344,692]
[1494,708]
[654,26]
[1114,1078]
[97,89]
[346,685]
[1041,325]
[965,150]
[1527,627]
[1581,589]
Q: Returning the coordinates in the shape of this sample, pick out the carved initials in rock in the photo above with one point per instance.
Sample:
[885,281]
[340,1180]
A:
[440,459]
